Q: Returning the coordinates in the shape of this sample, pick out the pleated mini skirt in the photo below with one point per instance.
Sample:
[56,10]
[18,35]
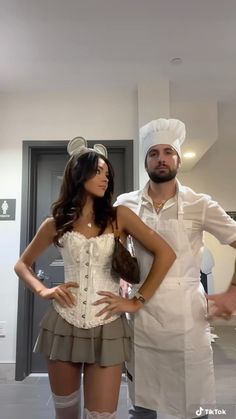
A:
[105,345]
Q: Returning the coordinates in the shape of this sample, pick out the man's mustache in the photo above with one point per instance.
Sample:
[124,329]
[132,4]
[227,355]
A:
[162,166]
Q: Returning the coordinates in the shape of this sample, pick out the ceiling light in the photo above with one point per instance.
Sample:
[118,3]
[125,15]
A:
[189,155]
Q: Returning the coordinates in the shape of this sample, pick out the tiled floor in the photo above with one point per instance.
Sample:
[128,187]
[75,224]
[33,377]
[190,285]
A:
[31,399]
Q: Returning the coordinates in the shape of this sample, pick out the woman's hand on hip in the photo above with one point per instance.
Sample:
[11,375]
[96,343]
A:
[61,294]
[115,304]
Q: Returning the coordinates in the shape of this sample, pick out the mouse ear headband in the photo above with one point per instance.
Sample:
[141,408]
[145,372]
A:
[78,146]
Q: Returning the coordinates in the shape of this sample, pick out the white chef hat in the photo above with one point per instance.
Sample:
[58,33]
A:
[162,131]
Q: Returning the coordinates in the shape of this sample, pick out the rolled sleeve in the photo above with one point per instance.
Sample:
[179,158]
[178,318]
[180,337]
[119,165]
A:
[219,223]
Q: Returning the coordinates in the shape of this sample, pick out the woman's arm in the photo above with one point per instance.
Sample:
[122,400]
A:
[163,258]
[23,268]
[163,255]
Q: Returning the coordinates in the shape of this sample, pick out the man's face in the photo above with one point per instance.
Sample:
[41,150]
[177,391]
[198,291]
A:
[162,163]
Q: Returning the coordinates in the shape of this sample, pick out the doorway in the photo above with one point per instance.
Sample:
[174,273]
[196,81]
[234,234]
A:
[43,165]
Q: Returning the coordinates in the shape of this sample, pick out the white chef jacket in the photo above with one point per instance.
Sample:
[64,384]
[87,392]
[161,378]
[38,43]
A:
[201,213]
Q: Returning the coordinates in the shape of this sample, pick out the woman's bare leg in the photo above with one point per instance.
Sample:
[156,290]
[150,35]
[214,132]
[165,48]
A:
[65,379]
[101,389]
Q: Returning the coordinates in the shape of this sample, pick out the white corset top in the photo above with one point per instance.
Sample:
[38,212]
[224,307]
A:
[88,263]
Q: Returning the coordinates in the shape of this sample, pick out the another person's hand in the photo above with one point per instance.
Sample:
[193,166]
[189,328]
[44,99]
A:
[224,304]
[61,293]
[116,304]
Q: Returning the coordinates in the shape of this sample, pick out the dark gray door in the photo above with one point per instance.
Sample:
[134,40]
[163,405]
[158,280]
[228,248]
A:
[49,266]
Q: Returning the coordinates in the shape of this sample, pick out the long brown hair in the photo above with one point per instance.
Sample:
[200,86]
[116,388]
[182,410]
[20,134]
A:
[72,197]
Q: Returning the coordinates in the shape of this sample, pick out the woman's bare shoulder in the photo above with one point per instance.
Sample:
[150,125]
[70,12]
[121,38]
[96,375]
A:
[48,226]
[122,211]
[125,216]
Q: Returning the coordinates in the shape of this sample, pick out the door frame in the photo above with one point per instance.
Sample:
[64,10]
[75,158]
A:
[30,152]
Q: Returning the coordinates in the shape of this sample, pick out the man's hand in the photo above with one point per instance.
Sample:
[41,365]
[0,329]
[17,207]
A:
[224,304]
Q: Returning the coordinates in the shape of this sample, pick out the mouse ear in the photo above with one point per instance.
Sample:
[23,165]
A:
[77,145]
[101,149]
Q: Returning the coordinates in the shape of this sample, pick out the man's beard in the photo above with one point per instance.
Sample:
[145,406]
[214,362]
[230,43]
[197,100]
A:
[163,177]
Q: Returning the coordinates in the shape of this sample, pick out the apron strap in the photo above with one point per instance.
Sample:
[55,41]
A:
[180,208]
[115,230]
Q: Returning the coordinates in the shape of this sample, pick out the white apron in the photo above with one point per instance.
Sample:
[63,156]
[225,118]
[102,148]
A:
[172,366]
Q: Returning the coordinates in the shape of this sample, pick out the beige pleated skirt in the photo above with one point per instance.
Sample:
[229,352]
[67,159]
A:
[106,345]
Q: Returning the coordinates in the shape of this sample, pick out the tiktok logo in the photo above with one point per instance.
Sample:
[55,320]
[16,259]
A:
[200,411]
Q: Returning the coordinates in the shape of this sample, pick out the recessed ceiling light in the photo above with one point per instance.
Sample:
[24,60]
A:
[189,155]
[176,61]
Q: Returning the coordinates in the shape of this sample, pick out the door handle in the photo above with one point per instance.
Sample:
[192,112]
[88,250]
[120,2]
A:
[42,276]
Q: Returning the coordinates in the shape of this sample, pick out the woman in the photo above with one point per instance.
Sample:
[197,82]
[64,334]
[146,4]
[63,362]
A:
[81,330]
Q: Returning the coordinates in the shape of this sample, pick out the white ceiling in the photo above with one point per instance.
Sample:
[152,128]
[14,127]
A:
[48,45]
[65,44]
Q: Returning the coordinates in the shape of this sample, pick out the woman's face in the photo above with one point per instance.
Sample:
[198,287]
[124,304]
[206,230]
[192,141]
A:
[97,185]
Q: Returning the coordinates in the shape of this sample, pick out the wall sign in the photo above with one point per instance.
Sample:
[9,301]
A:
[7,209]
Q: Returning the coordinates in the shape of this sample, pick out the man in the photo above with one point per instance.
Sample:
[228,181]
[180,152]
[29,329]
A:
[172,367]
